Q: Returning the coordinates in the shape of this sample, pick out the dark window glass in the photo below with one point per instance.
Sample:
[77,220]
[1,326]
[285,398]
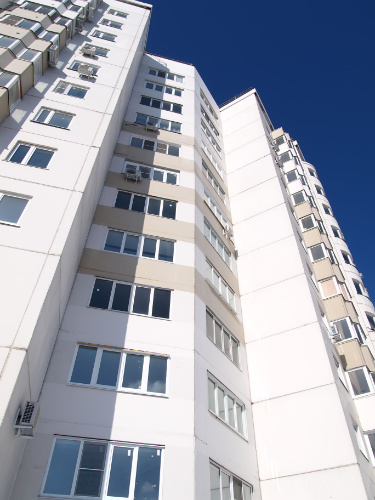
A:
[157,375]
[109,365]
[43,116]
[77,92]
[177,108]
[62,467]
[237,489]
[156,104]
[119,478]
[11,208]
[153,206]
[359,382]
[145,172]
[19,153]
[169,209]
[317,252]
[141,119]
[149,145]
[136,142]
[60,120]
[141,300]
[343,328]
[148,474]
[133,371]
[161,74]
[123,200]
[138,204]
[307,222]
[146,101]
[114,241]
[131,244]
[174,151]
[346,258]
[152,72]
[149,85]
[91,470]
[167,106]
[40,158]
[357,287]
[161,304]
[171,178]
[166,250]
[149,248]
[121,297]
[299,198]
[101,294]
[158,176]
[84,365]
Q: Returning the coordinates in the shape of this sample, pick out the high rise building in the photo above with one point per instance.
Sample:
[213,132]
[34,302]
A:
[181,314]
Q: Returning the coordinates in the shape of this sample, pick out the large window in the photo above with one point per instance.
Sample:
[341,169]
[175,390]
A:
[145,204]
[158,104]
[153,173]
[53,118]
[371,320]
[151,121]
[220,285]
[217,243]
[11,82]
[156,146]
[111,24]
[211,178]
[28,154]
[210,137]
[165,74]
[221,337]
[225,405]
[104,36]
[71,90]
[207,103]
[344,329]
[131,298]
[361,381]
[163,88]
[90,468]
[209,121]
[74,66]
[11,208]
[212,159]
[121,370]
[215,209]
[139,245]
[117,13]
[225,486]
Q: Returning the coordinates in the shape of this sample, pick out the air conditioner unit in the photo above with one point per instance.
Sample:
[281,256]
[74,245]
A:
[87,50]
[53,55]
[228,231]
[25,422]
[85,70]
[90,14]
[335,335]
[131,174]
[151,127]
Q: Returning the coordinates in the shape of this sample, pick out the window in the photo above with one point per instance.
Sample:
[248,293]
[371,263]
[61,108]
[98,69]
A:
[28,154]
[104,36]
[359,288]
[71,90]
[207,103]
[162,88]
[152,121]
[156,146]
[53,118]
[129,371]
[217,243]
[131,298]
[292,176]
[344,329]
[76,64]
[212,180]
[89,468]
[312,172]
[370,438]
[340,371]
[347,258]
[153,173]
[210,138]
[220,285]
[117,13]
[215,209]
[158,104]
[212,159]
[139,245]
[93,50]
[221,337]
[11,208]
[299,197]
[317,252]
[145,204]
[225,405]
[224,485]
[327,210]
[308,222]
[209,121]
[319,190]
[13,44]
[165,74]
[111,24]
[361,381]
[336,232]
[371,320]
[359,437]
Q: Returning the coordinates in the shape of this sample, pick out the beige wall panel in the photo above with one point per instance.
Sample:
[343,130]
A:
[316,213]
[326,241]
[151,188]
[41,46]
[303,209]
[351,354]
[328,287]
[312,237]
[6,57]
[322,269]
[61,31]
[43,19]
[25,70]
[367,356]
[338,273]
[213,220]
[337,308]
[156,159]
[4,105]
[26,36]
[144,271]
[218,306]
[127,220]
[162,135]
[351,311]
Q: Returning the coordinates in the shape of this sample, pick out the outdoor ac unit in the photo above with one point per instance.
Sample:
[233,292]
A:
[85,70]
[132,175]
[26,422]
[87,50]
[228,231]
[151,127]
[53,55]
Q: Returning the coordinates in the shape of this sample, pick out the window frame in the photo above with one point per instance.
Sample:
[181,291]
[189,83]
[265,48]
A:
[75,64]
[212,159]
[353,330]
[152,169]
[108,37]
[110,23]
[168,75]
[69,86]
[89,45]
[173,106]
[147,203]
[210,137]
[371,321]
[155,122]
[157,146]
[33,148]
[315,224]
[51,114]
[118,13]
[212,205]
[19,197]
[207,103]
[214,183]
[220,344]
[223,289]
[232,478]
[164,88]
[368,378]
[214,237]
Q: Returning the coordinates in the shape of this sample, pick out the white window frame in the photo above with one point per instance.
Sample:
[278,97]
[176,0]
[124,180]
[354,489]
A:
[155,121]
[51,114]
[148,198]
[220,285]
[232,478]
[207,103]
[372,321]
[313,220]
[111,24]
[111,37]
[163,88]
[158,146]
[168,76]
[210,137]
[305,197]
[19,197]
[32,149]
[340,371]
[368,378]
[13,83]
[349,258]
[237,404]
[209,121]
[78,63]
[141,169]
[171,105]
[319,188]
[214,183]
[312,172]
[212,159]
[219,341]
[338,336]
[89,45]
[359,438]
[141,242]
[68,87]
[107,465]
[121,369]
[297,174]
[216,210]
[118,13]
[340,288]
[218,244]
[370,447]
[361,287]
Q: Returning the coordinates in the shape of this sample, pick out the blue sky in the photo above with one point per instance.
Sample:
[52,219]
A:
[312,64]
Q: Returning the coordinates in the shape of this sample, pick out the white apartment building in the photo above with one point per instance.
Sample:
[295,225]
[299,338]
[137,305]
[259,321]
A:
[181,314]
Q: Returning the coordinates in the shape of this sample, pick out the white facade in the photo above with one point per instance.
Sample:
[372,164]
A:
[186,312]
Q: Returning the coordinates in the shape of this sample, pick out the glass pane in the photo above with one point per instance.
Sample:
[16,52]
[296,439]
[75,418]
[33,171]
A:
[146,101]
[77,92]
[218,339]
[91,470]
[214,483]
[299,198]
[291,176]
[145,172]
[161,148]
[220,400]
[119,478]
[359,382]
[317,252]
[239,419]
[237,489]
[155,104]
[149,248]
[148,474]
[114,241]
[164,124]
[11,208]
[211,396]
[216,282]
[131,244]
[177,108]
[231,417]
[157,375]
[158,176]
[19,153]
[171,178]
[225,484]
[174,151]
[138,204]
[227,344]
[167,106]
[169,209]
[235,352]
[62,467]
[149,145]
[141,119]
[149,85]
[209,326]
[307,222]
[161,304]
[246,492]
[41,118]
[121,297]
[84,364]
[133,372]
[141,300]
[136,142]
[109,365]
[166,250]
[101,294]
[40,158]
[343,329]
[153,205]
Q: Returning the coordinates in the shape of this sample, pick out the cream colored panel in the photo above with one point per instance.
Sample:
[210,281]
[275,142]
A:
[43,19]
[144,271]
[61,31]
[4,105]
[337,272]
[351,311]
[26,72]
[128,220]
[6,57]
[322,269]
[351,354]
[337,308]
[312,237]
[367,356]
[326,241]
[329,288]
[277,133]
[303,209]
[344,292]
[162,135]
[316,213]
[41,46]
[26,36]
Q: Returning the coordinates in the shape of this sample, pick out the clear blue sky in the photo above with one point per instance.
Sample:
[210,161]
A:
[312,64]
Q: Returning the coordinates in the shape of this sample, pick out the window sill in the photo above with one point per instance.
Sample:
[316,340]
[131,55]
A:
[4,223]
[227,425]
[138,256]
[48,125]
[119,391]
[130,313]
